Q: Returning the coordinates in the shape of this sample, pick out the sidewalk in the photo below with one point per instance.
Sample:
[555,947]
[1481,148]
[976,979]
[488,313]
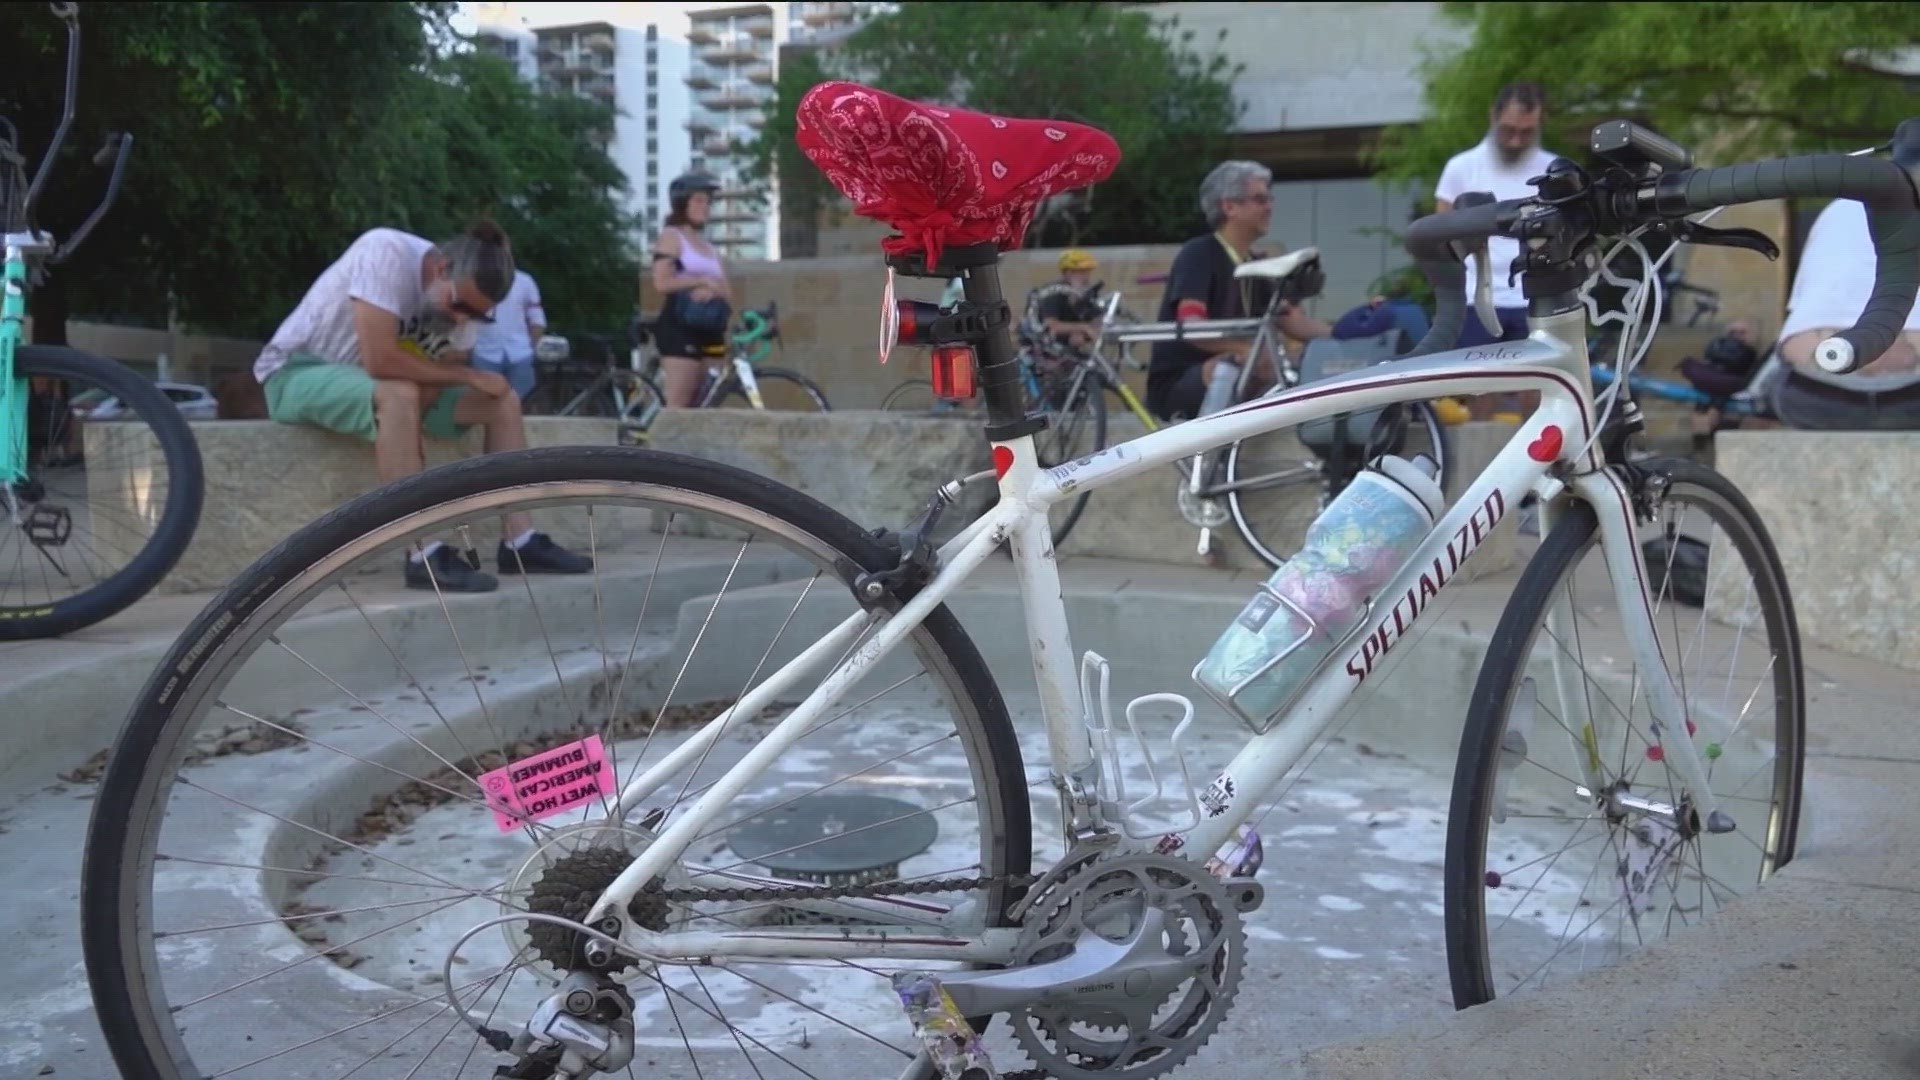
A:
[1813,976]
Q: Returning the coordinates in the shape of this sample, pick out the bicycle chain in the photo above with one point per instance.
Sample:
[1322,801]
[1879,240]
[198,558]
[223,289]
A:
[876,891]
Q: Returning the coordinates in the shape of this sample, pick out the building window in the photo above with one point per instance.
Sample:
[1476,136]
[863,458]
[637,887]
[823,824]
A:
[653,169]
[653,102]
[653,32]
[653,79]
[653,146]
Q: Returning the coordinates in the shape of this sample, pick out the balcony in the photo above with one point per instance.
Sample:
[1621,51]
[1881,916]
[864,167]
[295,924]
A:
[825,14]
[760,26]
[753,118]
[598,41]
[702,123]
[701,77]
[733,95]
[732,46]
[760,73]
[601,88]
[703,33]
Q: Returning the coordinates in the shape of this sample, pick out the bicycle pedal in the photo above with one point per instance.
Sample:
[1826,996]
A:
[48,526]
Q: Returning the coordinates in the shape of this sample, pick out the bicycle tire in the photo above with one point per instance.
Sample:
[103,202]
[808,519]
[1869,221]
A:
[906,397]
[124,829]
[177,523]
[1092,393]
[1421,415]
[1467,880]
[763,375]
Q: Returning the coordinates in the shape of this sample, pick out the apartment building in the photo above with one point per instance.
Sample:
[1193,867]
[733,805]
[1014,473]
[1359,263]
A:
[500,30]
[641,71]
[732,74]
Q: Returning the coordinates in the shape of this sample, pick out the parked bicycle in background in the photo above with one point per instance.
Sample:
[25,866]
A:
[96,504]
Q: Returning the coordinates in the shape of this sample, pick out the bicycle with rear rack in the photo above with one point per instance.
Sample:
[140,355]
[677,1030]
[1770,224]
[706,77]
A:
[815,847]
[96,507]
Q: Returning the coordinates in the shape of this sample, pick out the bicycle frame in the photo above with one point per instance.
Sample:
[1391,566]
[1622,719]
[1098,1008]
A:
[1554,454]
[13,391]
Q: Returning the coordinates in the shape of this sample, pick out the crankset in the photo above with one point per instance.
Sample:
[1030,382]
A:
[1127,965]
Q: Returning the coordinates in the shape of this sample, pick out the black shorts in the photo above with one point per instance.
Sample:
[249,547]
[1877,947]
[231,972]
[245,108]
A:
[1180,397]
[675,340]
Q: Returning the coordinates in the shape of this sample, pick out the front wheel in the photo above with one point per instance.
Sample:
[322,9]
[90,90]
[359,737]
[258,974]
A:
[110,501]
[1571,840]
[297,825]
[781,390]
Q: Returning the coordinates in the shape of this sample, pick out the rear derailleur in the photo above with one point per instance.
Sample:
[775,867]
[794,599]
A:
[584,1027]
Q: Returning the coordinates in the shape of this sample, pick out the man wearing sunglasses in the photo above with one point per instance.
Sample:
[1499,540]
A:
[1188,379]
[378,350]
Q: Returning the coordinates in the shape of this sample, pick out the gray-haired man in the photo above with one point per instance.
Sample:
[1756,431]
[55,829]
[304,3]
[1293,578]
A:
[1237,199]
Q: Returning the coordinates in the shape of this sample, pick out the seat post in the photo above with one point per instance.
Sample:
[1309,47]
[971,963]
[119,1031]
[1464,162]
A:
[1000,383]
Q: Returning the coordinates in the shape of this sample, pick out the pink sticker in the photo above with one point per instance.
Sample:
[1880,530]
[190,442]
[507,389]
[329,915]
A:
[547,783]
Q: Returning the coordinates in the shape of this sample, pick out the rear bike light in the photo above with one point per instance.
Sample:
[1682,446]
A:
[953,372]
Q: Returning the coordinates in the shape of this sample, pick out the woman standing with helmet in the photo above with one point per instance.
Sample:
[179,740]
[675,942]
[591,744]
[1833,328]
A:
[688,272]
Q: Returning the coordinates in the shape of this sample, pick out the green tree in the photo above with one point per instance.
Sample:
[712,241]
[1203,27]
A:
[267,136]
[1169,107]
[1732,81]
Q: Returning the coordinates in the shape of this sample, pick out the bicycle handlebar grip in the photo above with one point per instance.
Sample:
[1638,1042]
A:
[1893,220]
[1428,241]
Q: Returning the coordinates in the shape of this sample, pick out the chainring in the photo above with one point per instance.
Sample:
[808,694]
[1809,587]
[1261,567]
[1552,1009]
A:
[1106,895]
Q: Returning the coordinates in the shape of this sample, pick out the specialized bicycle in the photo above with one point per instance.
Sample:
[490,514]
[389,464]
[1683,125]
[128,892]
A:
[833,870]
[96,509]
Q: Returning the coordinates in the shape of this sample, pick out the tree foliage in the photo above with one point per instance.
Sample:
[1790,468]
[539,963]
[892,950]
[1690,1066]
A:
[1169,107]
[268,135]
[1732,81]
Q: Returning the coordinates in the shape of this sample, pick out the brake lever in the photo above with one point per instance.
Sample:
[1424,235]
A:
[1748,239]
[1483,263]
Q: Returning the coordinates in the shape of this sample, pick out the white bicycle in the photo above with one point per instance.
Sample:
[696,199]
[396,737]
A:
[812,852]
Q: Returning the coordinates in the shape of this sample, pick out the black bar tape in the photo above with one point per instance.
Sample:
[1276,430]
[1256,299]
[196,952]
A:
[1893,219]
[1427,241]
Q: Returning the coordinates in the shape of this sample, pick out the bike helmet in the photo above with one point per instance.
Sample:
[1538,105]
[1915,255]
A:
[686,184]
[1077,259]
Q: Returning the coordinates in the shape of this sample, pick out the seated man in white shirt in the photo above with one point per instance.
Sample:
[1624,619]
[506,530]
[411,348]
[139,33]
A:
[1830,290]
[505,345]
[1500,163]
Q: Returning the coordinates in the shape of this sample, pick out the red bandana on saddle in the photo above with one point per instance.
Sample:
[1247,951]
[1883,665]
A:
[944,176]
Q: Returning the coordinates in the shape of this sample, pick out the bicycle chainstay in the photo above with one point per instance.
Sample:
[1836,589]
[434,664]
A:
[856,892]
[880,890]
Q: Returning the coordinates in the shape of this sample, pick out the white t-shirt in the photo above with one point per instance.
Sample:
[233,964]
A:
[1483,169]
[507,335]
[1835,278]
[381,267]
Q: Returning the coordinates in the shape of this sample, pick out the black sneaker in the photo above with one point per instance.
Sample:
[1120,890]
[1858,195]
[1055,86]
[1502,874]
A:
[540,555]
[451,572]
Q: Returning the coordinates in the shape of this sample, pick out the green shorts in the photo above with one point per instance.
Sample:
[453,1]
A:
[339,397]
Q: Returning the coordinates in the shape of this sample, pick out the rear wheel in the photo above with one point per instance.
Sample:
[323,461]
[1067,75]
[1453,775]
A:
[1572,841]
[781,390]
[317,915]
[112,495]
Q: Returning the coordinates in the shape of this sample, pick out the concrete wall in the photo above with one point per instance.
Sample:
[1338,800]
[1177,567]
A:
[1840,507]
[197,358]
[265,480]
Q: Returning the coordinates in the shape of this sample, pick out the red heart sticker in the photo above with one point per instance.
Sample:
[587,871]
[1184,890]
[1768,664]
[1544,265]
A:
[1002,461]
[1547,446]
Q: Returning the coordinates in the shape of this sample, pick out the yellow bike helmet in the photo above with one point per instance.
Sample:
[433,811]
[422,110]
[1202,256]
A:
[1077,259]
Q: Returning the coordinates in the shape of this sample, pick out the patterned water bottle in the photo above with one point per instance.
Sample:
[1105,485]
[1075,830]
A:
[1309,604]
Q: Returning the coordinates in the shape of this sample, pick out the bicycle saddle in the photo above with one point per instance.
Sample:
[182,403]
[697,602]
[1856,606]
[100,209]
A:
[942,176]
[1279,266]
